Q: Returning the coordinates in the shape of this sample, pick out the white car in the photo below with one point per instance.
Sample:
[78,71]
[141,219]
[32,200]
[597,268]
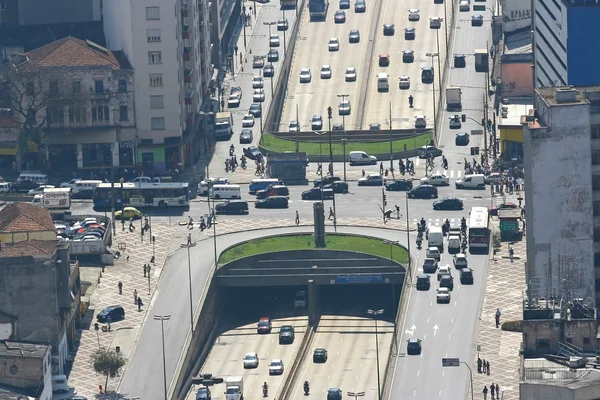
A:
[251,360]
[420,122]
[276,367]
[305,75]
[258,95]
[233,101]
[325,72]
[460,261]
[69,184]
[248,121]
[274,40]
[40,189]
[404,82]
[334,44]
[350,74]
[464,6]
[436,180]
[294,126]
[443,270]
[344,108]
[414,14]
[443,295]
[433,252]
[258,82]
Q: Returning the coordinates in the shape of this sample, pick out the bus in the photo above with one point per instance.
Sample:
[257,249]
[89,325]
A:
[225,192]
[172,194]
[479,228]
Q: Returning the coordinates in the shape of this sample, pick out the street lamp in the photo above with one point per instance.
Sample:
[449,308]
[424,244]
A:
[375,313]
[283,15]
[189,244]
[205,117]
[356,395]
[393,243]
[343,97]
[162,319]
[329,116]
[431,55]
[391,146]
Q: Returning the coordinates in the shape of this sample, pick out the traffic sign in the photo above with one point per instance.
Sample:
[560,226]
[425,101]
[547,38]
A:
[450,362]
[367,278]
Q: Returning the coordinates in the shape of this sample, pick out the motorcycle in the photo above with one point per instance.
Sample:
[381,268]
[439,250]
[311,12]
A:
[265,390]
[306,388]
[419,243]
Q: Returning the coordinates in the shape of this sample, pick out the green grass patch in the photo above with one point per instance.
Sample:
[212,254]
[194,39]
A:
[279,145]
[305,242]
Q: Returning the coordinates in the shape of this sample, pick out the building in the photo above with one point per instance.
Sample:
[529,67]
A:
[27,370]
[516,15]
[170,53]
[565,48]
[224,17]
[510,129]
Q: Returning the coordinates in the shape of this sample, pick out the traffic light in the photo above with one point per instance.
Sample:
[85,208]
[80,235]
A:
[329,112]
[463,118]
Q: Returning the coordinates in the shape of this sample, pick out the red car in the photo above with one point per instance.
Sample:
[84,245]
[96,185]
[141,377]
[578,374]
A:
[264,326]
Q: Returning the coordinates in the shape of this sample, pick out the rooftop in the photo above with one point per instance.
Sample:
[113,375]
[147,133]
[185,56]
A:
[14,393]
[29,248]
[518,42]
[24,217]
[511,113]
[561,96]
[23,349]
[545,372]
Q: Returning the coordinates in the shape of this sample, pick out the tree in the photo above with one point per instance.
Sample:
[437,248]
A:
[108,363]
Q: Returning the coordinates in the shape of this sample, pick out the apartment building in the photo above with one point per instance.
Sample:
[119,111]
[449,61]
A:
[224,16]
[168,45]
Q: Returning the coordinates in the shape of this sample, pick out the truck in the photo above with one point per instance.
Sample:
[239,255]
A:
[318,9]
[481,60]
[53,199]
[234,388]
[435,237]
[453,98]
[223,125]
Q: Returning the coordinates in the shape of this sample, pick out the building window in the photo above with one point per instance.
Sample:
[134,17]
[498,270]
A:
[596,235]
[157,124]
[2,5]
[100,114]
[152,13]
[123,115]
[586,340]
[156,80]
[154,57]
[157,102]
[122,85]
[99,86]
[77,114]
[153,35]
[55,115]
[53,88]
[595,157]
[596,205]
[76,87]
[595,131]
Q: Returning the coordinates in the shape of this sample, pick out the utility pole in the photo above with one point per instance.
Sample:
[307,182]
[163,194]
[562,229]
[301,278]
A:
[383,202]
[343,97]
[391,149]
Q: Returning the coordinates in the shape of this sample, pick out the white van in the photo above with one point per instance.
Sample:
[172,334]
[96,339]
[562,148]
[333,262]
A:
[474,181]
[85,185]
[4,187]
[40,179]
[60,383]
[361,158]
[383,84]
[435,237]
[225,192]
[203,186]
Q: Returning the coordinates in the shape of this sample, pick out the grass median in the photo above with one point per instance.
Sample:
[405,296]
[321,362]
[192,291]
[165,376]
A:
[279,145]
[371,246]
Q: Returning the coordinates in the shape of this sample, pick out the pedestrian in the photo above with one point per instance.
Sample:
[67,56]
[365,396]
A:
[485,392]
[363,173]
[511,253]
[190,222]
[148,268]
[493,390]
[139,303]
[108,321]
[397,212]
[487,367]
[319,168]
[297,218]
[120,285]
[381,168]
[497,390]
[189,242]
[484,365]
[330,213]
[498,314]
[135,297]
[479,366]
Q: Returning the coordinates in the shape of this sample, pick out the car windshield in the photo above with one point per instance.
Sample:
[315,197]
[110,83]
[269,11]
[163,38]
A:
[263,323]
[250,357]
[429,261]
[276,363]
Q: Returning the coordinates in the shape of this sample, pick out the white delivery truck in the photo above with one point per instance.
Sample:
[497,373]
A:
[234,388]
[223,125]
[435,237]
[453,98]
[53,199]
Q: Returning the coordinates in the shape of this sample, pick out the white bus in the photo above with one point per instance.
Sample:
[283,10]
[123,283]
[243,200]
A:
[479,229]
[82,185]
[172,194]
[225,192]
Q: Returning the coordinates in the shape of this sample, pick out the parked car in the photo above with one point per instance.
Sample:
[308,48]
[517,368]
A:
[116,313]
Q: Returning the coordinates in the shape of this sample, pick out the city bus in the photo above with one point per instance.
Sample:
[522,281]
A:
[479,228]
[172,194]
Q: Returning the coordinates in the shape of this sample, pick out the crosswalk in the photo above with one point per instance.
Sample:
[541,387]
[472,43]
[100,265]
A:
[454,222]
[452,174]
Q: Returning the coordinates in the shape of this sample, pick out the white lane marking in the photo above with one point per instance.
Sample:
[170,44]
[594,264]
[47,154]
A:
[440,393]
[418,373]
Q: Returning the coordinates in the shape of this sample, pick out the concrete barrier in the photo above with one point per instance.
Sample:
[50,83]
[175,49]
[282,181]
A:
[286,389]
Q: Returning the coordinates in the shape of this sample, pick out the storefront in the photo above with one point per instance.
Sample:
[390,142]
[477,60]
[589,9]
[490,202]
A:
[510,130]
[160,159]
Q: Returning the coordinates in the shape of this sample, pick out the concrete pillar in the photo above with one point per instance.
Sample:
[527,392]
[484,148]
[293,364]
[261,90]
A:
[79,156]
[115,154]
[312,296]
[319,223]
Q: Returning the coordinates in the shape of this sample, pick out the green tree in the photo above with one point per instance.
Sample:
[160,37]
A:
[108,363]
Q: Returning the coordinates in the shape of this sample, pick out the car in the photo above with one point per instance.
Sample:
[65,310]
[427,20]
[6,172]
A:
[69,184]
[438,1]
[286,334]
[315,194]
[464,5]
[83,194]
[115,313]
[430,265]
[203,393]
[257,82]
[274,40]
[399,185]
[235,97]
[334,44]
[248,121]
[334,394]
[232,207]
[258,62]
[375,126]
[305,75]
[128,213]
[408,56]
[389,29]
[276,367]
[414,14]
[251,360]
[404,82]
[337,187]
[360,6]
[420,122]
[442,295]
[339,17]
[344,108]
[350,74]
[433,252]
[294,126]
[273,55]
[435,22]
[337,127]
[354,36]
[246,136]
[503,206]
[325,72]
[462,139]
[252,152]
[443,270]
[384,60]
[460,261]
[255,110]
[273,190]
[413,347]
[436,180]
[258,95]
[447,281]
[316,123]
[269,71]
[427,75]
[423,192]
[272,202]
[371,180]
[344,4]
[494,177]
[466,276]
[409,33]
[460,61]
[264,325]
[477,20]
[455,122]
[319,355]
[40,189]
[326,180]
[282,24]
[429,151]
[423,282]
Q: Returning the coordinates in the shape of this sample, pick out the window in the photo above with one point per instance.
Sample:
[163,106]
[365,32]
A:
[152,13]
[76,87]
[2,5]
[596,204]
[156,102]
[123,113]
[596,235]
[100,114]
[55,115]
[595,157]
[53,88]
[122,85]
[156,80]
[157,124]
[99,86]
[586,340]
[595,131]
[77,114]
[153,35]
[154,57]
[595,182]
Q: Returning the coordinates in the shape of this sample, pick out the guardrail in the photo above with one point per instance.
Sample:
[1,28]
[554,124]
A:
[286,389]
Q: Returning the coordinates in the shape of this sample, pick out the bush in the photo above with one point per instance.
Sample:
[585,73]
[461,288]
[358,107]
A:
[496,239]
[513,326]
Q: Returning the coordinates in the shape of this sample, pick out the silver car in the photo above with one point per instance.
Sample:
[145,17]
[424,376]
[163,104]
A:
[276,367]
[251,360]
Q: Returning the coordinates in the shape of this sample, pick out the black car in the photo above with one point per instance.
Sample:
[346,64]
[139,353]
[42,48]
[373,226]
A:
[354,35]
[462,139]
[447,281]
[252,152]
[315,194]
[320,355]
[409,33]
[286,334]
[268,71]
[334,394]
[427,75]
[448,203]
[273,190]
[255,110]
[273,55]
[423,192]
[272,202]
[326,180]
[344,4]
[360,6]
[339,17]
[466,276]
[232,207]
[389,30]
[337,187]
[413,347]
[460,61]
[423,282]
[203,394]
[116,313]
[399,185]
[24,185]
[246,136]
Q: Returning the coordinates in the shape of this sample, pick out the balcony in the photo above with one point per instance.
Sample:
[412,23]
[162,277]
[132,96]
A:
[185,8]
[185,31]
[187,51]
[187,75]
[189,96]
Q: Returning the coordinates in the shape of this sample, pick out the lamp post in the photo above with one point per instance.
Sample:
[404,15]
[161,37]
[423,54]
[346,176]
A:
[190,282]
[375,313]
[431,55]
[283,16]
[298,128]
[321,133]
[356,395]
[244,24]
[393,243]
[343,97]
[391,146]
[162,319]
[329,115]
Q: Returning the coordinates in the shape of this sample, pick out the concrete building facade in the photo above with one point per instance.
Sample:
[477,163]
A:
[27,369]
[35,12]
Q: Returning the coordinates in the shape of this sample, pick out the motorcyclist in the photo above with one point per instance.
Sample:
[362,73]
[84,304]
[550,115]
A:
[463,223]
[306,387]
[265,389]
[444,162]
[423,223]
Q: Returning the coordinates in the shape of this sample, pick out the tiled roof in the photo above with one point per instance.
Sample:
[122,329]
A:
[23,349]
[29,248]
[24,217]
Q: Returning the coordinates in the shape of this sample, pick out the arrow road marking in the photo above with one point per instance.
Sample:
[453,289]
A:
[411,331]
[435,329]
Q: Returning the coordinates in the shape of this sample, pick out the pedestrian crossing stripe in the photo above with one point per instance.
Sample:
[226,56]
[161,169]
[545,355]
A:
[438,221]
[450,174]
